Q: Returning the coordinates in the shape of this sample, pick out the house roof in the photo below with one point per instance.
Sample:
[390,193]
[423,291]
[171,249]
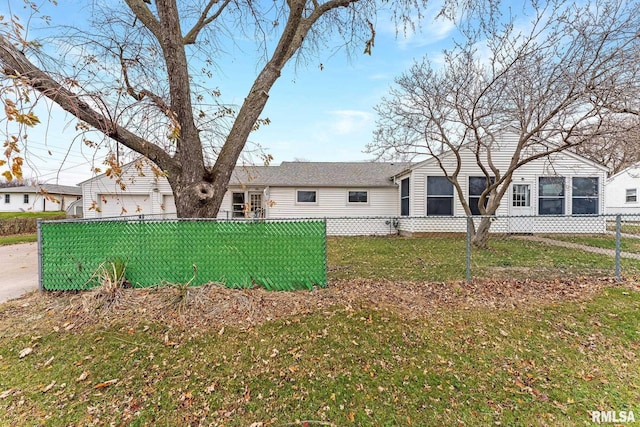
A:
[319,174]
[631,169]
[49,188]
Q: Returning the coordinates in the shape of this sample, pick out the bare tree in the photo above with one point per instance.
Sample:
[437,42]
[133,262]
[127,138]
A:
[618,147]
[142,73]
[552,79]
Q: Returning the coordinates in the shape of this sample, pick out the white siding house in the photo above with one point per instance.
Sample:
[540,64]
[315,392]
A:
[622,192]
[550,194]
[290,190]
[40,198]
[139,192]
[562,184]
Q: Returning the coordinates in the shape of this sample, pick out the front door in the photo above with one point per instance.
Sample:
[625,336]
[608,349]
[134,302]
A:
[520,208]
[255,205]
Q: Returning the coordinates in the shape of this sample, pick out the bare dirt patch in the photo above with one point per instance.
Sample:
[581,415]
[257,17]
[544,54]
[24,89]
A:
[213,306]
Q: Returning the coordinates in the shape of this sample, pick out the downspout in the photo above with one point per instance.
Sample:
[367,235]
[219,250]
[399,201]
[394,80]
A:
[265,201]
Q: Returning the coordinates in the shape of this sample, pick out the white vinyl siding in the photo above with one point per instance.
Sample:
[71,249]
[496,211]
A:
[565,164]
[143,194]
[332,202]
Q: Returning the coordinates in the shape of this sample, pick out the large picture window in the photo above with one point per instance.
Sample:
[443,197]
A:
[439,196]
[584,196]
[404,197]
[477,184]
[306,196]
[551,196]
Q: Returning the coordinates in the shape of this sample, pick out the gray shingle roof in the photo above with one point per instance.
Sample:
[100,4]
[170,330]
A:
[319,174]
[50,188]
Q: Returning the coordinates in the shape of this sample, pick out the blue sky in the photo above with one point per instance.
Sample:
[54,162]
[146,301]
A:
[317,115]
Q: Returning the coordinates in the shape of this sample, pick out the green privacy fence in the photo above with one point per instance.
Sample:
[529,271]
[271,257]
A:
[278,255]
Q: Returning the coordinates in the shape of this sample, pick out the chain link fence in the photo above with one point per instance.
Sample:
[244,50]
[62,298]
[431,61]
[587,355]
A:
[278,255]
[520,247]
[301,253]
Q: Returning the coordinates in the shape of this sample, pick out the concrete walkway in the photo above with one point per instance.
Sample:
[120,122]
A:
[18,270]
[585,248]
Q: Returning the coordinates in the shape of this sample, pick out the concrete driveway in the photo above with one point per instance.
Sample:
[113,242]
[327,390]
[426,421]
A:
[18,270]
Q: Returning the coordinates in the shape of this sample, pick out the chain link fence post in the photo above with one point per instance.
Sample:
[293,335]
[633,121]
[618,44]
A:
[468,257]
[39,234]
[618,245]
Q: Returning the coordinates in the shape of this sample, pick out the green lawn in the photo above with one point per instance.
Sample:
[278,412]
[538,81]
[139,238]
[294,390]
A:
[43,215]
[535,365]
[627,244]
[444,258]
[626,227]
[361,352]
[18,238]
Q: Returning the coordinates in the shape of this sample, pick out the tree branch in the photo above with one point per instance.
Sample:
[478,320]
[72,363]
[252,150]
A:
[15,65]
[203,21]
[142,12]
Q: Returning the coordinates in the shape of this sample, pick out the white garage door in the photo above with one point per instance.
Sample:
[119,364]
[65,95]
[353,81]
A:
[124,204]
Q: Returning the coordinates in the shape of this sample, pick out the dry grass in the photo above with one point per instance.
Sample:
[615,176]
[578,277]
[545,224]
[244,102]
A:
[214,304]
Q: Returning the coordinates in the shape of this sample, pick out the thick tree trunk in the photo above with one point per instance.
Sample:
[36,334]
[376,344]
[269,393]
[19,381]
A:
[481,237]
[200,199]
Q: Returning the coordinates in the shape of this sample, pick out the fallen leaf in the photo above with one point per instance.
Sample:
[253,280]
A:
[49,387]
[25,352]
[83,376]
[105,384]
[6,393]
[48,362]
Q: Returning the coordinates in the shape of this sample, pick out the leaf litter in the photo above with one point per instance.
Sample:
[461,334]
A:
[214,305]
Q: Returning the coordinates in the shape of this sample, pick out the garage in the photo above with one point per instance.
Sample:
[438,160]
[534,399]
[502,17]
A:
[124,204]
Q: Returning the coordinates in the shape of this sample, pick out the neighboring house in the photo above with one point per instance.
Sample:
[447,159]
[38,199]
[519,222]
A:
[622,191]
[409,198]
[39,198]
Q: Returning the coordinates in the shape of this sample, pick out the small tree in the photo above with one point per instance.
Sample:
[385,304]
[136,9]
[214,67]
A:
[143,73]
[552,79]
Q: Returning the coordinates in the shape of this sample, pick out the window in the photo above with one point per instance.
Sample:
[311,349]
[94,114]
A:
[358,197]
[551,196]
[25,199]
[521,197]
[7,198]
[238,205]
[584,196]
[439,196]
[306,196]
[404,197]
[631,195]
[477,184]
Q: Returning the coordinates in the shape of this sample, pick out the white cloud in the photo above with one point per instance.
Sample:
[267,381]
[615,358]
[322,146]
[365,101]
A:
[350,121]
